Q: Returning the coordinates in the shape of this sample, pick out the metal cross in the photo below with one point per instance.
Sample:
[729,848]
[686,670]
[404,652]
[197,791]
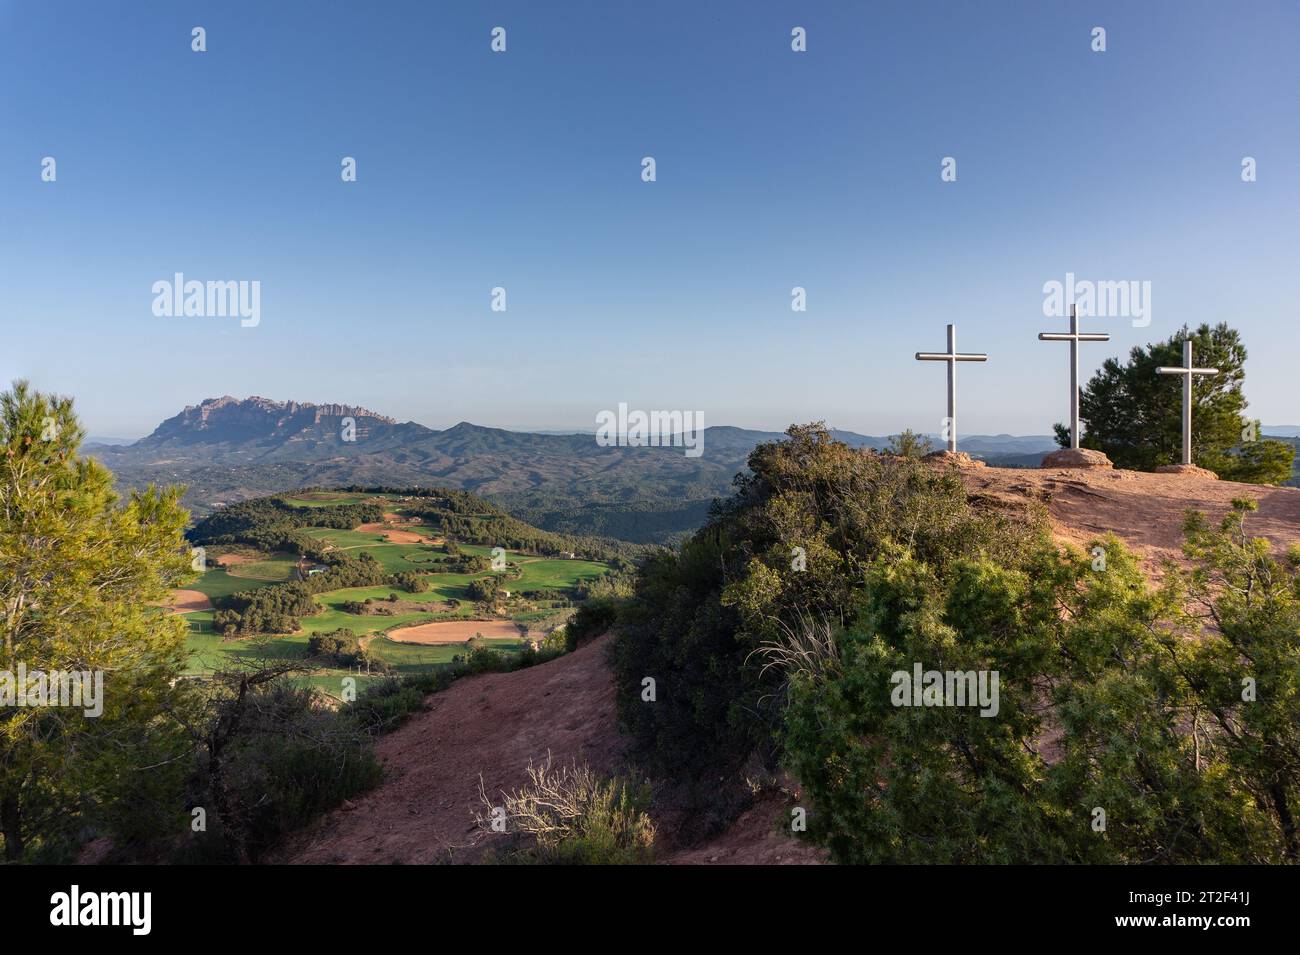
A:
[1187,371]
[1074,336]
[951,356]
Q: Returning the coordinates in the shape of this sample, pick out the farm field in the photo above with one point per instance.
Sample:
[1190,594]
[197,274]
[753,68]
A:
[443,632]
[327,498]
[391,609]
[243,570]
[273,570]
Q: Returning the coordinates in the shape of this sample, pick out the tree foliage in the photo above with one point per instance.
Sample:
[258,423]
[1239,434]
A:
[82,578]
[1121,732]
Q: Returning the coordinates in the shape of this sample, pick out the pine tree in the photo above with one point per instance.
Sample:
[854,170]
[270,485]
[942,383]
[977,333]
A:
[82,577]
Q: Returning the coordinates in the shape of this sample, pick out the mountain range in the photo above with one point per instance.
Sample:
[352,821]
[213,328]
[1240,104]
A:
[226,449]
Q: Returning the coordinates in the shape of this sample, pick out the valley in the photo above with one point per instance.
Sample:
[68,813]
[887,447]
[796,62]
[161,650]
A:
[227,449]
[437,598]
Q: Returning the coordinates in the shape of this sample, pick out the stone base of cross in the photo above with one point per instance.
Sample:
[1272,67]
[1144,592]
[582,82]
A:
[1077,458]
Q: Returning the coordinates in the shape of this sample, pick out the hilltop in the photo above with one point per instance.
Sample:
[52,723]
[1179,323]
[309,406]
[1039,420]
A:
[1145,510]
[494,725]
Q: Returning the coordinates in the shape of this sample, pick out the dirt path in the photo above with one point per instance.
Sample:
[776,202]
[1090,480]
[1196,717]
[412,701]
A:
[495,724]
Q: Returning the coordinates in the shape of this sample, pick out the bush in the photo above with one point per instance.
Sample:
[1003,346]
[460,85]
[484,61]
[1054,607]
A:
[591,620]
[384,706]
[484,590]
[795,540]
[1111,694]
[411,582]
[571,816]
[340,648]
[274,759]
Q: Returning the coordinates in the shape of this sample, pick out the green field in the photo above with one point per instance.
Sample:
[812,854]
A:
[274,570]
[218,583]
[333,616]
[250,575]
[344,539]
[327,498]
[409,657]
[209,651]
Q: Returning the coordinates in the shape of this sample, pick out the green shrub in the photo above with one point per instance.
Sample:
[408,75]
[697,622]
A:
[592,619]
[340,648]
[411,582]
[779,629]
[796,539]
[273,760]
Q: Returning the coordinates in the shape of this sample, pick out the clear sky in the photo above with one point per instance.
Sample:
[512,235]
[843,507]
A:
[523,170]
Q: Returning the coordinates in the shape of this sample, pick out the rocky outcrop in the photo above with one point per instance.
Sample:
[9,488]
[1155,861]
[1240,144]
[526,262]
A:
[229,420]
[958,459]
[1190,470]
[1076,458]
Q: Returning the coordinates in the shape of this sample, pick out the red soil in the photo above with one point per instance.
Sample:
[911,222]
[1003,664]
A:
[453,631]
[1145,510]
[495,724]
[188,601]
[395,535]
[492,724]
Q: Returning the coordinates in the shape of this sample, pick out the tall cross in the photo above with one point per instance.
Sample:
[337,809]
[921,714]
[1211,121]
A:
[951,356]
[1074,336]
[1187,371]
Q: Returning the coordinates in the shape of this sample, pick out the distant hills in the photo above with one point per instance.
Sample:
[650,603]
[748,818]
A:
[227,449]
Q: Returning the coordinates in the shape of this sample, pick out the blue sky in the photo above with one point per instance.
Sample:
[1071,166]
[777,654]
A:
[522,170]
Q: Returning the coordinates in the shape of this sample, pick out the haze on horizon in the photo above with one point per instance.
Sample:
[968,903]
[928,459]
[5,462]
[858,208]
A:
[522,170]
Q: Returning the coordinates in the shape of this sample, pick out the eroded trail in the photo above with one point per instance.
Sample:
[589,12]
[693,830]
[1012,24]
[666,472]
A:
[492,724]
[424,810]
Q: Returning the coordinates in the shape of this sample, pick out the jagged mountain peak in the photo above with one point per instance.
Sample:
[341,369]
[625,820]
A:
[258,420]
